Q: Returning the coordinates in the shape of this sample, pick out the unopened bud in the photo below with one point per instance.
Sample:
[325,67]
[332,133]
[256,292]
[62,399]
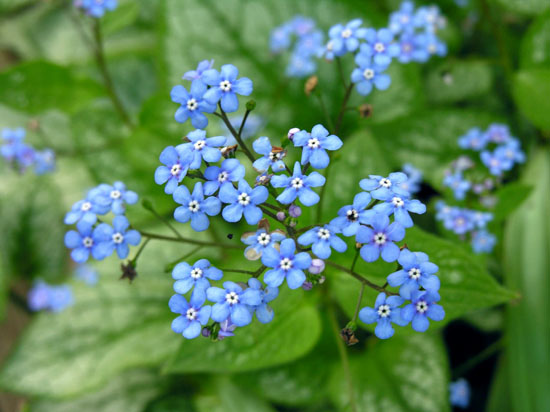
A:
[294,211]
[281,216]
[317,266]
[206,332]
[250,105]
[321,280]
[263,224]
[293,222]
[307,285]
[292,132]
[365,111]
[311,84]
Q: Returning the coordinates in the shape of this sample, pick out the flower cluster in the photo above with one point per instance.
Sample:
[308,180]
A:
[95,8]
[55,298]
[308,43]
[99,238]
[22,156]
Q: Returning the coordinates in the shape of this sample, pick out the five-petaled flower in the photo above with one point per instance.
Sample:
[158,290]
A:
[193,315]
[231,170]
[202,147]
[195,207]
[176,164]
[417,271]
[117,196]
[225,87]
[194,277]
[232,302]
[369,74]
[116,237]
[323,239]
[315,145]
[385,312]
[379,240]
[264,313]
[193,106]
[351,216]
[423,306]
[298,185]
[286,264]
[259,241]
[243,200]
[400,208]
[86,210]
[382,187]
[271,156]
[82,242]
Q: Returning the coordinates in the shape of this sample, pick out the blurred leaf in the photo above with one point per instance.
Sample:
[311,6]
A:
[34,87]
[510,197]
[400,374]
[458,81]
[128,392]
[112,327]
[526,263]
[531,89]
[465,283]
[535,45]
[223,395]
[4,287]
[8,5]
[124,15]
[427,140]
[292,333]
[528,7]
[171,403]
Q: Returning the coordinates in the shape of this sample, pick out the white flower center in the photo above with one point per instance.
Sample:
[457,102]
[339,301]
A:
[397,201]
[286,264]
[330,45]
[192,104]
[432,48]
[368,74]
[415,273]
[191,314]
[404,19]
[86,206]
[115,194]
[495,162]
[384,311]
[196,273]
[297,183]
[380,238]
[352,215]
[264,239]
[222,177]
[323,234]
[379,47]
[460,221]
[421,306]
[273,156]
[244,199]
[232,298]
[225,85]
[510,154]
[406,47]
[194,206]
[199,144]
[385,182]
[346,34]
[175,169]
[313,143]
[118,238]
[88,242]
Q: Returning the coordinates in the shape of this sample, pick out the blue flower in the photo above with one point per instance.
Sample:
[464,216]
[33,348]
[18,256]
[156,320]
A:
[350,216]
[233,303]
[414,179]
[44,161]
[272,156]
[96,8]
[380,46]
[412,48]
[400,208]
[368,74]
[117,196]
[385,312]
[225,87]
[431,44]
[193,106]
[38,297]
[280,38]
[87,210]
[416,271]
[496,161]
[193,315]
[309,44]
[379,240]
[174,170]
[202,147]
[423,306]
[243,200]
[512,151]
[196,276]
[298,185]
[344,39]
[473,139]
[498,133]
[195,207]
[480,219]
[402,20]
[300,66]
[286,265]
[12,140]
[259,241]
[201,68]
[458,184]
[315,145]
[459,393]
[55,298]
[483,241]
[87,274]
[429,18]
[25,156]
[83,242]
[323,239]
[116,237]
[459,221]
[264,313]
[231,171]
[382,187]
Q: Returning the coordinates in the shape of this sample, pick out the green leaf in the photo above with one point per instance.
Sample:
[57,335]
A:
[124,15]
[128,392]
[111,327]
[458,81]
[465,283]
[535,45]
[526,263]
[531,89]
[528,7]
[400,374]
[293,332]
[510,197]
[34,87]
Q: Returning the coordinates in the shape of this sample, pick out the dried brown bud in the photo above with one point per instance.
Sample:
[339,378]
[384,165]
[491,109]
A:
[404,247]
[358,245]
[34,124]
[128,271]
[311,84]
[228,151]
[348,336]
[365,111]
[264,224]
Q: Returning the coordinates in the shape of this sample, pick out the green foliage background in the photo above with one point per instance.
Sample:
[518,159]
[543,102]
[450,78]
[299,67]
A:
[114,350]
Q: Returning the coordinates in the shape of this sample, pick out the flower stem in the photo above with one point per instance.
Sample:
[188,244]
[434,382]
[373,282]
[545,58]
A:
[324,109]
[171,265]
[235,134]
[143,245]
[245,117]
[187,240]
[253,273]
[163,220]
[107,80]
[360,278]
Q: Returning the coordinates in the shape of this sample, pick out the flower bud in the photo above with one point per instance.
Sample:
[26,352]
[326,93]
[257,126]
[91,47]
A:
[316,267]
[365,111]
[281,216]
[307,285]
[251,105]
[294,211]
[311,84]
[292,132]
[293,222]
[206,332]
